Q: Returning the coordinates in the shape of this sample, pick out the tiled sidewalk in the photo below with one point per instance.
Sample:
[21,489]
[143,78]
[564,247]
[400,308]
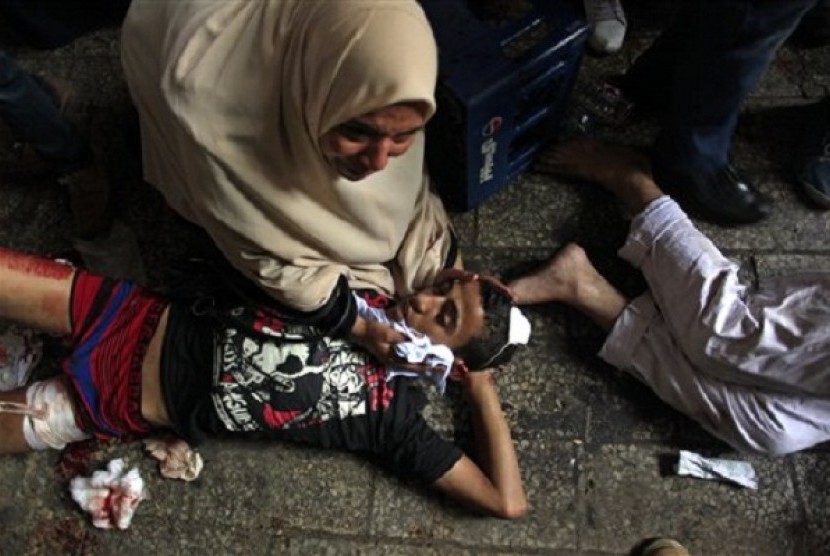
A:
[593,444]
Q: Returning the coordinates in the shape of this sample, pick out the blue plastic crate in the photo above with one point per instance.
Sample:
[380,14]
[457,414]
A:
[502,92]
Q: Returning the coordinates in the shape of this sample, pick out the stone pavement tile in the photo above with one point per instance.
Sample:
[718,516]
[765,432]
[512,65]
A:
[791,226]
[40,63]
[782,78]
[466,227]
[544,396]
[103,42]
[155,536]
[812,472]
[780,265]
[251,484]
[596,69]
[302,545]
[627,499]
[539,212]
[768,133]
[15,503]
[54,524]
[624,410]
[403,512]
[816,71]
[34,218]
[526,213]
[65,535]
[100,79]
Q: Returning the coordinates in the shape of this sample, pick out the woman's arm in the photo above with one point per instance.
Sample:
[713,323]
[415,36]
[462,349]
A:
[494,485]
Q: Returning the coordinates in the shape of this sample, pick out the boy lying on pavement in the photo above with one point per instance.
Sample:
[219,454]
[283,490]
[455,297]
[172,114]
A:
[138,362]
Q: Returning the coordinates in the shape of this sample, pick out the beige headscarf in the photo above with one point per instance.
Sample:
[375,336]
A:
[233,96]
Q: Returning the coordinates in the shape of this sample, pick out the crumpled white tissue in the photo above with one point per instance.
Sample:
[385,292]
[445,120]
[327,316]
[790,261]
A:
[734,471]
[110,496]
[420,349]
[20,351]
[177,460]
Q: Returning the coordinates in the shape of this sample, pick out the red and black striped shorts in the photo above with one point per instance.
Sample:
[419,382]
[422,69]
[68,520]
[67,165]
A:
[112,323]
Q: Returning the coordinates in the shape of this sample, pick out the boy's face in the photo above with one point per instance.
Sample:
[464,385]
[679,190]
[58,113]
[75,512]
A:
[450,313]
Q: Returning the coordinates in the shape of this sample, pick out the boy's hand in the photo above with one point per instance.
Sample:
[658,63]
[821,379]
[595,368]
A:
[380,340]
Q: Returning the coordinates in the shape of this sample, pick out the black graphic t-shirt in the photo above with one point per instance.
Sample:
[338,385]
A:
[253,374]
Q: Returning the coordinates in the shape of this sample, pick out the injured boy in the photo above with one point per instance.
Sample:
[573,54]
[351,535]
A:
[752,367]
[139,362]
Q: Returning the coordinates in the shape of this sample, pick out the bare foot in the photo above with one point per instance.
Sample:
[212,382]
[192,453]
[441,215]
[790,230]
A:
[570,278]
[555,281]
[620,170]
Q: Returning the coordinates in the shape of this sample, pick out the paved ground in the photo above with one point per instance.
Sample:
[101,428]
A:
[593,444]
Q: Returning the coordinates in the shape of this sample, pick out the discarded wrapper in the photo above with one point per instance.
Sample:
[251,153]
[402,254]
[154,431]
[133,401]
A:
[20,351]
[734,471]
[177,460]
[110,496]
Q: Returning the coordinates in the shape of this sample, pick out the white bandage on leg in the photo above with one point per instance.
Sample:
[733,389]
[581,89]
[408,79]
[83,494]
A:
[50,417]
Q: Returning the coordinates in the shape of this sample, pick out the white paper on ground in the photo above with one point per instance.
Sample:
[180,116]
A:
[734,471]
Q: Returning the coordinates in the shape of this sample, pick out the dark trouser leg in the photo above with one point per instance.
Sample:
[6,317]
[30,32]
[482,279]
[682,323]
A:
[34,118]
[727,46]
[701,71]
[812,164]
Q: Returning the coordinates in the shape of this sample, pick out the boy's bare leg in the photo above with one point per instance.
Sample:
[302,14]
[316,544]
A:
[12,440]
[570,278]
[622,171]
[35,291]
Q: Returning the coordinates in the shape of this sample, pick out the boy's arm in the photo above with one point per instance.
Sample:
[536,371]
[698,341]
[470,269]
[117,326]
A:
[495,484]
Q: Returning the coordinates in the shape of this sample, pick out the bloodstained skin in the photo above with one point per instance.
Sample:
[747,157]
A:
[33,265]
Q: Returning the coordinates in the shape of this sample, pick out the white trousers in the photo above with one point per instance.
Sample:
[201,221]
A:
[752,367]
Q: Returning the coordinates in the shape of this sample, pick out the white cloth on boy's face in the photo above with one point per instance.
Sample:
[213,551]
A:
[419,349]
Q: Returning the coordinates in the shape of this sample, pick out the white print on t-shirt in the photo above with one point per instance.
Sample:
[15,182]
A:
[262,384]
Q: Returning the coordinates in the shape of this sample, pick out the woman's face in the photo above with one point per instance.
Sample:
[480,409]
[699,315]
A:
[364,145]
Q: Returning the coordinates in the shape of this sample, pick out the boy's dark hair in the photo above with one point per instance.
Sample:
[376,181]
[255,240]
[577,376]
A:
[492,347]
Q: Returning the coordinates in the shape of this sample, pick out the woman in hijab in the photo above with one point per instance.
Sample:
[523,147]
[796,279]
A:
[292,132]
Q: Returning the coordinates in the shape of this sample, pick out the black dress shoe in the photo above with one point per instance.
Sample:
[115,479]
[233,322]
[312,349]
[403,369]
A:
[724,198]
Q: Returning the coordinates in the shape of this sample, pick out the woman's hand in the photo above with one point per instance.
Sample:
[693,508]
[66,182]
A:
[453,275]
[380,340]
